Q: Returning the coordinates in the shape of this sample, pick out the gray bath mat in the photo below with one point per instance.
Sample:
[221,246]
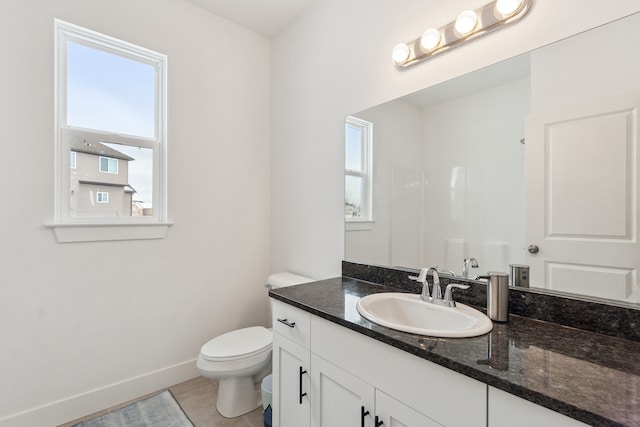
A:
[160,410]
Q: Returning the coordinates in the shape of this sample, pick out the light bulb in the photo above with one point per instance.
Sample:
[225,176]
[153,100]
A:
[507,7]
[430,39]
[466,22]
[400,53]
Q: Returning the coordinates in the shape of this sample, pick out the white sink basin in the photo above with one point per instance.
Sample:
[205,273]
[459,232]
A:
[408,313]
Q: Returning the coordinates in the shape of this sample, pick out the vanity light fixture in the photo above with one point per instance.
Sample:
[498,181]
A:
[506,7]
[400,53]
[430,39]
[466,22]
[469,25]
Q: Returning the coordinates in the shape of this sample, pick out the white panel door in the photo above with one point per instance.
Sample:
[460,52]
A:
[581,173]
[393,413]
[290,399]
[338,398]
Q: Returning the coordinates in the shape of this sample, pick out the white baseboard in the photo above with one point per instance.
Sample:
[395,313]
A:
[80,405]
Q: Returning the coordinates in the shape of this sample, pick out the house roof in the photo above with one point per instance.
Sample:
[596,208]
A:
[127,188]
[97,149]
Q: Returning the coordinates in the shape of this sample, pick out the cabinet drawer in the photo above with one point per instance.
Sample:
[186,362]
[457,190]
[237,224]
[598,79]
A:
[291,322]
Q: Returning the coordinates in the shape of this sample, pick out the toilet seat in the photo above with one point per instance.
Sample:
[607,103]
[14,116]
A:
[238,344]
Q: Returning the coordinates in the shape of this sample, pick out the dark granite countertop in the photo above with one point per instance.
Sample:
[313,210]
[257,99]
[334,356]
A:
[590,377]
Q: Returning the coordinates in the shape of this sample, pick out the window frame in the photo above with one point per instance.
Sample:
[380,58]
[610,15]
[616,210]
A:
[366,174]
[154,226]
[109,163]
[104,198]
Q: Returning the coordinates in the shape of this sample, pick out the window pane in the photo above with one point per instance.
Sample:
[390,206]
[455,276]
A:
[354,192]
[129,193]
[109,92]
[353,148]
[140,171]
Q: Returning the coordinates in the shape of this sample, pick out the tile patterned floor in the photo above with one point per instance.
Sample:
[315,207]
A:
[198,399]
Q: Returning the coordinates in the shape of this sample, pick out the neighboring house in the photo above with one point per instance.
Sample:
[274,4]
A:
[99,181]
[139,208]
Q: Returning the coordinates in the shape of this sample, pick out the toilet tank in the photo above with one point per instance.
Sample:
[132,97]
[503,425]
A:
[284,279]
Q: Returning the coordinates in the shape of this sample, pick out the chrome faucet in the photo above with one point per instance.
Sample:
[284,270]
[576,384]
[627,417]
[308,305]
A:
[465,266]
[436,292]
[436,295]
[422,278]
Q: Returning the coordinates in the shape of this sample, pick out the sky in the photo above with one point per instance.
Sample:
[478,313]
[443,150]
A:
[112,93]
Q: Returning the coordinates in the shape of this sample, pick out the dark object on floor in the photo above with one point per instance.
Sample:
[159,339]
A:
[267,416]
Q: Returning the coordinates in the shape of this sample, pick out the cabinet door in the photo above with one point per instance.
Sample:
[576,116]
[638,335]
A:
[338,399]
[290,400]
[396,414]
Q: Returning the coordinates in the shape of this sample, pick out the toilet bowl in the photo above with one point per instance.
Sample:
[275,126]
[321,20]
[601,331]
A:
[240,359]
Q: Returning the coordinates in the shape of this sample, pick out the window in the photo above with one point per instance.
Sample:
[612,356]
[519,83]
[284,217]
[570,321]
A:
[110,116]
[358,178]
[102,197]
[108,165]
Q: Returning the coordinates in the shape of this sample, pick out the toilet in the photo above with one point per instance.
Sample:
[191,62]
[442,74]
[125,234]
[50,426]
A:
[240,359]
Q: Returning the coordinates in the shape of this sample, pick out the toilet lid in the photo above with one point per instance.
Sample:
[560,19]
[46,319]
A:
[238,344]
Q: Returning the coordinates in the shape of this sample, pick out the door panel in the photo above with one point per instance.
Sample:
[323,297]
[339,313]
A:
[338,398]
[581,168]
[396,414]
[289,408]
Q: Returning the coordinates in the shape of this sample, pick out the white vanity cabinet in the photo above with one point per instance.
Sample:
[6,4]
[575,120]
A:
[507,410]
[396,414]
[291,366]
[326,375]
[341,399]
[408,390]
[290,404]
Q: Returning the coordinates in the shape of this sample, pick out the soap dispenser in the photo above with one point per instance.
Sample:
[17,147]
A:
[497,296]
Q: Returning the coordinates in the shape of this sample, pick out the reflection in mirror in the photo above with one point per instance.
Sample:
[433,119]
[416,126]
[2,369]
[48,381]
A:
[537,150]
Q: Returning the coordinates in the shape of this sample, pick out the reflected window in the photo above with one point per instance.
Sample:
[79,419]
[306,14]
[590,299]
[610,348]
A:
[358,161]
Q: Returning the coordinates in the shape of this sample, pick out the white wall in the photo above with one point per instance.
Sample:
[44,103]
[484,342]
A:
[613,70]
[74,340]
[336,60]
[474,162]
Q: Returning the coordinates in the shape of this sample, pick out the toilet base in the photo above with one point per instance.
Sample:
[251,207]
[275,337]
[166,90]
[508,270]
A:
[237,396]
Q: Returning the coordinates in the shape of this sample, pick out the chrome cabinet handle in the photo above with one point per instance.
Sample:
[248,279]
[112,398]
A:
[533,249]
[286,322]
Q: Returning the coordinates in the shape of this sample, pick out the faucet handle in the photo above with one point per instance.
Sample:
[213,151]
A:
[448,293]
[422,277]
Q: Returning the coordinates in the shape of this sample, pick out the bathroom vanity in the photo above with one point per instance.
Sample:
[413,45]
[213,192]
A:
[333,368]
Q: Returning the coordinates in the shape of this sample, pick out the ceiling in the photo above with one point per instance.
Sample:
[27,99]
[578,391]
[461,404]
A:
[266,17]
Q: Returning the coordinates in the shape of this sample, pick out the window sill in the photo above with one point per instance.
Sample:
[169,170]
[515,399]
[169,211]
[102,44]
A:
[74,233]
[358,225]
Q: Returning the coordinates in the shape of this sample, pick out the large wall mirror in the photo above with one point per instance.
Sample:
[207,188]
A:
[537,152]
